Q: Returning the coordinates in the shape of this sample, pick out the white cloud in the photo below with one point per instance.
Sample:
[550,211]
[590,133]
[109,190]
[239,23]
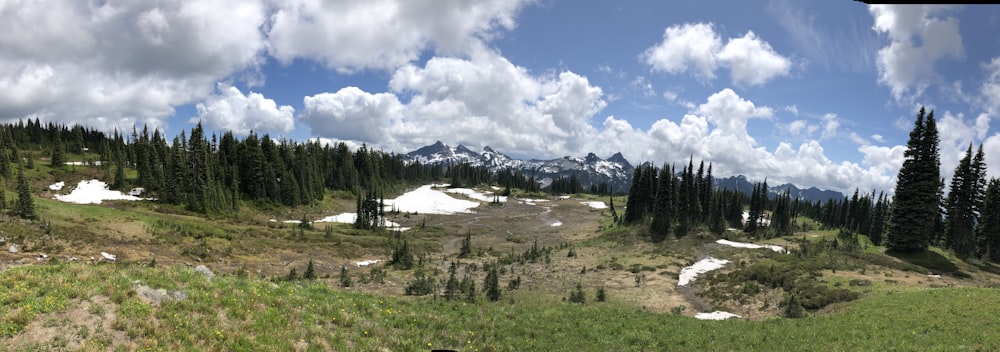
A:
[698,49]
[794,109]
[878,138]
[110,64]
[687,47]
[231,110]
[919,38]
[830,126]
[796,127]
[383,34]
[487,98]
[857,139]
[643,85]
[752,61]
[990,89]
[352,114]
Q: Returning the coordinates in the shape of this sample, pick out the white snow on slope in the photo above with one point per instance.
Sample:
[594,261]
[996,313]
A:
[778,249]
[350,218]
[557,223]
[486,197]
[425,200]
[58,186]
[716,315]
[93,192]
[690,273]
[596,205]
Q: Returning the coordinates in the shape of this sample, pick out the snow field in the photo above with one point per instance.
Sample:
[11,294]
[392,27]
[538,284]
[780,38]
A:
[92,192]
[690,273]
[778,249]
[595,205]
[716,315]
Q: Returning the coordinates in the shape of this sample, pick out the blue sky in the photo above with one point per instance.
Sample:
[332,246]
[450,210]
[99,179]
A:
[815,93]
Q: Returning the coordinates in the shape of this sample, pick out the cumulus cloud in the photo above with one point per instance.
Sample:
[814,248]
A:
[492,101]
[112,63]
[990,89]
[383,34]
[231,110]
[830,126]
[698,49]
[919,38]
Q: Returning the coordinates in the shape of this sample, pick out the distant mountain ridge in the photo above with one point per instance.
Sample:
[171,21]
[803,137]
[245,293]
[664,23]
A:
[590,170]
[812,194]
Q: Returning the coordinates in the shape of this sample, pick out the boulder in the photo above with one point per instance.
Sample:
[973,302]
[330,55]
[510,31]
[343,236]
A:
[204,270]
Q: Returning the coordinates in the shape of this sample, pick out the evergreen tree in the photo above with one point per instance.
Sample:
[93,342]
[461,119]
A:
[492,283]
[25,205]
[345,277]
[663,211]
[3,194]
[988,231]
[962,206]
[466,250]
[310,273]
[918,189]
[451,288]
[57,157]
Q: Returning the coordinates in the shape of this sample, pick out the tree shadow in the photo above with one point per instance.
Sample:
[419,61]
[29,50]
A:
[930,260]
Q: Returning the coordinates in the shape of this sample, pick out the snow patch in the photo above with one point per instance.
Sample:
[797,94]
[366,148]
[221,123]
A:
[483,196]
[557,223]
[58,186]
[596,205]
[108,256]
[367,262]
[778,249]
[428,201]
[350,218]
[716,315]
[565,197]
[93,192]
[690,273]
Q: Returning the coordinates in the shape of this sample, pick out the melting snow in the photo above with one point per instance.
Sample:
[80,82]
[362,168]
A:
[93,192]
[778,249]
[366,262]
[565,197]
[557,223]
[428,201]
[690,273]
[533,201]
[596,205]
[350,218]
[475,195]
[716,315]
[58,186]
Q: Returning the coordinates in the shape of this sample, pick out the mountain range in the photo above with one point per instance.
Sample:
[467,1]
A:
[591,169]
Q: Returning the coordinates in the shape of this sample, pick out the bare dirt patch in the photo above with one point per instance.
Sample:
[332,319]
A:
[85,325]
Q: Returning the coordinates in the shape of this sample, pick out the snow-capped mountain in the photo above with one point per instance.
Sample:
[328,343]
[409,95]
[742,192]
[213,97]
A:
[812,194]
[616,171]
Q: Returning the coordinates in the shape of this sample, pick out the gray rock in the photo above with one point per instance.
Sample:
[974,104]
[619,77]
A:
[12,248]
[158,295]
[204,270]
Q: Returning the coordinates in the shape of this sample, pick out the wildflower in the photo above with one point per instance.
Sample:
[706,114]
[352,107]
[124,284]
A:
[428,344]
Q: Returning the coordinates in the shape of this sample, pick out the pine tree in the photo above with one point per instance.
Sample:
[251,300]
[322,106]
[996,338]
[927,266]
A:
[345,277]
[310,273]
[451,288]
[962,207]
[988,231]
[57,158]
[25,205]
[663,212]
[492,283]
[918,190]
[466,250]
[3,194]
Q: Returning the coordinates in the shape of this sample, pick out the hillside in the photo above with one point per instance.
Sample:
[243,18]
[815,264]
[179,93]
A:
[460,268]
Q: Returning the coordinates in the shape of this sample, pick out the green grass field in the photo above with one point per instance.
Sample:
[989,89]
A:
[242,314]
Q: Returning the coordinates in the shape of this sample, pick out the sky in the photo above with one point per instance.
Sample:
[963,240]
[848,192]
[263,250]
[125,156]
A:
[814,93]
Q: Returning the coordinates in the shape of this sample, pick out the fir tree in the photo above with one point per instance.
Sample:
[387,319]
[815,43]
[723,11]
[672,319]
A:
[962,207]
[451,288]
[57,157]
[466,250]
[345,277]
[492,284]
[25,205]
[988,232]
[918,190]
[310,273]
[663,211]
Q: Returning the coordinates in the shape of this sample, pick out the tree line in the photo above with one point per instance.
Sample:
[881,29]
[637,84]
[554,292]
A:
[918,215]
